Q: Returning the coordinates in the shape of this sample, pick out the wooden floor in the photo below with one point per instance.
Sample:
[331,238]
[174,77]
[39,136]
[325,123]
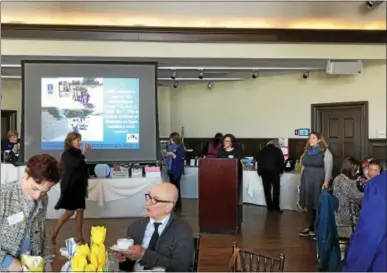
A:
[267,233]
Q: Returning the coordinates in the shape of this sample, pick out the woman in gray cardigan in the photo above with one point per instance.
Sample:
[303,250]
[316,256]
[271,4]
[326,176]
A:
[23,207]
[317,162]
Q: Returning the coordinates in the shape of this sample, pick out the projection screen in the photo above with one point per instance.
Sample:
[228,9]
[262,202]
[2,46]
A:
[113,105]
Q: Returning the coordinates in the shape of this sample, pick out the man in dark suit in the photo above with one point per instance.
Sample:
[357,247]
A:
[270,167]
[161,239]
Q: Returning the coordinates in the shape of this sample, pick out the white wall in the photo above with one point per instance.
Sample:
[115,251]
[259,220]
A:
[273,106]
[270,106]
[12,98]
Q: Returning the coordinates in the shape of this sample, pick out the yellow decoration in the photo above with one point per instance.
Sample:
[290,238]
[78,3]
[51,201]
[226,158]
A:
[91,259]
[78,263]
[98,235]
[83,250]
[90,268]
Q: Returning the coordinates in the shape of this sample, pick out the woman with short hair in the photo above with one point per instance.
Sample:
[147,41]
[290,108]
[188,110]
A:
[23,207]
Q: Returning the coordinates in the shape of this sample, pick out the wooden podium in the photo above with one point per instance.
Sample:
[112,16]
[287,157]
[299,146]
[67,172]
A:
[220,205]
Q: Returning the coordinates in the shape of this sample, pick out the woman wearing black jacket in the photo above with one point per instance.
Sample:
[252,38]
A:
[73,185]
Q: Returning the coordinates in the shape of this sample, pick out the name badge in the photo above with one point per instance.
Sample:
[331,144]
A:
[16,218]
[230,156]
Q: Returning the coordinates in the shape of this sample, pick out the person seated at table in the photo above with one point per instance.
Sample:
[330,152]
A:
[73,186]
[11,144]
[23,207]
[271,163]
[367,248]
[374,168]
[173,250]
[346,191]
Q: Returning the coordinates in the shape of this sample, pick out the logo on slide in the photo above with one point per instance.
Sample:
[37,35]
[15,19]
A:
[132,138]
[50,88]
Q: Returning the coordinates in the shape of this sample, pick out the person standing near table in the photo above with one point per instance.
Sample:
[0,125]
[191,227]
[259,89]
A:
[271,162]
[175,163]
[317,162]
[73,185]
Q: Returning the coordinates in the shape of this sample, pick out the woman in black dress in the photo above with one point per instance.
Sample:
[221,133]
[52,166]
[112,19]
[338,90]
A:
[73,185]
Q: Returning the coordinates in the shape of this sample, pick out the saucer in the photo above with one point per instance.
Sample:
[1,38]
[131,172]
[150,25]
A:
[116,248]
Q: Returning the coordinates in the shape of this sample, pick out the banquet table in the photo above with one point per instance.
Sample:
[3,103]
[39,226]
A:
[11,173]
[108,198]
[252,188]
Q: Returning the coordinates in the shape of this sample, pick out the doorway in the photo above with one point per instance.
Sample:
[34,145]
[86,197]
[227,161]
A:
[345,128]
[8,122]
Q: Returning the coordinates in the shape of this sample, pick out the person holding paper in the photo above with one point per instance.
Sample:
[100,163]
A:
[23,207]
[73,185]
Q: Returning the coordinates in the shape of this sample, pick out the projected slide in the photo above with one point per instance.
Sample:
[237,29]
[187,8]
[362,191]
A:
[105,111]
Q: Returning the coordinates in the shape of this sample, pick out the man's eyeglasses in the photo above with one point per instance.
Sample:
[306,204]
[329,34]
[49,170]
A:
[155,200]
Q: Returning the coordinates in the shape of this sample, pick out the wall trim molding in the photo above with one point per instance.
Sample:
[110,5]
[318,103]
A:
[190,35]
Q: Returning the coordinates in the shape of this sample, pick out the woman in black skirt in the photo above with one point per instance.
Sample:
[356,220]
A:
[73,185]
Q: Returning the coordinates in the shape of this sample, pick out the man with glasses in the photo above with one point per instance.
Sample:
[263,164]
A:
[161,239]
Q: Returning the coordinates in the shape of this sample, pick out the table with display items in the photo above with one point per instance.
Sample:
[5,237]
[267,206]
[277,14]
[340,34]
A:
[107,198]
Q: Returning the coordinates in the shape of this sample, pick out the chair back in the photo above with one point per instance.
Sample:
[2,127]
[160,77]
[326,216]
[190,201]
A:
[354,213]
[248,261]
[196,253]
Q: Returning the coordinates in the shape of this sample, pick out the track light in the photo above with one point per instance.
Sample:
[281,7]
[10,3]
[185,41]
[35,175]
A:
[173,74]
[305,75]
[201,74]
[209,85]
[176,84]
[372,4]
[255,75]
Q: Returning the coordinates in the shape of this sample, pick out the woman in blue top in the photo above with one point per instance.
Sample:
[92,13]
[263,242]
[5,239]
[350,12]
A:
[175,163]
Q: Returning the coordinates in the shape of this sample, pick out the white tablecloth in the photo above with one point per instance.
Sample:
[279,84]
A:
[10,173]
[108,198]
[252,188]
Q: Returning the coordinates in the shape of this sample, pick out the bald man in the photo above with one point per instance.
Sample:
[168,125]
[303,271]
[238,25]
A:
[160,239]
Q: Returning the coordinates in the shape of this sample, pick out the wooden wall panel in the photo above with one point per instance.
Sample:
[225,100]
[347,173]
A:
[377,148]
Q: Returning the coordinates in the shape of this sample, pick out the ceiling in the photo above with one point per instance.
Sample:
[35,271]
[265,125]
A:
[205,13]
[187,70]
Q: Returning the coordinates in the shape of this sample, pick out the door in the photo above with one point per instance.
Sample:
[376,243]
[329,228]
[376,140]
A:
[8,122]
[345,129]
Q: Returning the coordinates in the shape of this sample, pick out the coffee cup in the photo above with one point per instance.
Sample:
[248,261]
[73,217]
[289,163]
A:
[124,243]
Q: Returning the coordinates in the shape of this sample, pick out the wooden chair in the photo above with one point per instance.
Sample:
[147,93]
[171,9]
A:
[248,261]
[196,253]
[354,214]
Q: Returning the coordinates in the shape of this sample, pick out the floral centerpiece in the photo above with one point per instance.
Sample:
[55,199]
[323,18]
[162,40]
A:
[91,258]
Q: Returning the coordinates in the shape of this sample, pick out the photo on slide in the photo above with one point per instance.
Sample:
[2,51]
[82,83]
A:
[73,93]
[72,105]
